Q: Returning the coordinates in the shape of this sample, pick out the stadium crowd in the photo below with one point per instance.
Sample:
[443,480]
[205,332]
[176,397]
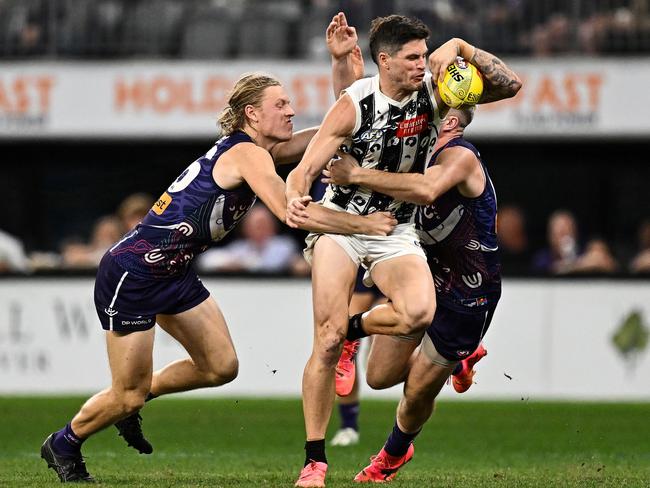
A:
[260,245]
[254,28]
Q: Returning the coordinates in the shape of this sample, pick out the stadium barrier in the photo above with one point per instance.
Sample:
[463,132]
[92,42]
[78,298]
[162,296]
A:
[565,339]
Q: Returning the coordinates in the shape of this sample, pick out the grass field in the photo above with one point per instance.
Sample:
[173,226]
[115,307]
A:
[259,443]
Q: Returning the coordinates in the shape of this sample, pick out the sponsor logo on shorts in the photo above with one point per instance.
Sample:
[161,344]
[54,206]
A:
[110,312]
[136,322]
[463,353]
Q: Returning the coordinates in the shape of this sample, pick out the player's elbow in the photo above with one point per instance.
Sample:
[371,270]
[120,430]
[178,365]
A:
[425,195]
[514,87]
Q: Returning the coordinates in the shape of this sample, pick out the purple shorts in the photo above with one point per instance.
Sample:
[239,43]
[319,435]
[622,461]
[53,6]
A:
[127,303]
[456,335]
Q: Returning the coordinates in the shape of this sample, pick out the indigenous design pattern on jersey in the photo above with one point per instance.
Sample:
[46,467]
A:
[459,237]
[193,213]
[388,136]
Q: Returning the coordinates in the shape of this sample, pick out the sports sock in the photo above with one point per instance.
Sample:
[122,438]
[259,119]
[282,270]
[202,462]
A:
[349,415]
[315,451]
[66,442]
[398,442]
[457,369]
[355,328]
[150,396]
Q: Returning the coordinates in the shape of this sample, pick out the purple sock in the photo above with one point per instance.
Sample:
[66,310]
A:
[66,442]
[349,414]
[398,442]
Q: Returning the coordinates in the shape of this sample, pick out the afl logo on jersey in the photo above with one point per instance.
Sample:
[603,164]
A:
[185,178]
[371,135]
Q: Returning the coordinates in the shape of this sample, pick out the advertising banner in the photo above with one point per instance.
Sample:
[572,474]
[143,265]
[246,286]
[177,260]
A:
[560,98]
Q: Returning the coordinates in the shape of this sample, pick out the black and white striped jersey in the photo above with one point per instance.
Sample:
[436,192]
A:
[389,136]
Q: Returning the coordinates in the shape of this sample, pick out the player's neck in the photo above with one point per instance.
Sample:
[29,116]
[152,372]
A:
[393,90]
[445,137]
[259,139]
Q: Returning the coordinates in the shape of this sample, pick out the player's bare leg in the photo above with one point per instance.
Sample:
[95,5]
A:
[424,382]
[407,283]
[422,386]
[348,405]
[203,332]
[131,363]
[389,360]
[333,275]
[130,360]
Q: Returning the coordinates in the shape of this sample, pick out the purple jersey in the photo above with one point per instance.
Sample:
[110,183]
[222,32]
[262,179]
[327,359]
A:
[193,213]
[458,235]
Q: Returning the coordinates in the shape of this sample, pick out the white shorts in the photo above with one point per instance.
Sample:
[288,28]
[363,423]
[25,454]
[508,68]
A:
[367,251]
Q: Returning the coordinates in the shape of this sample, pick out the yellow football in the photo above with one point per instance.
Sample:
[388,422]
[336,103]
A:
[462,85]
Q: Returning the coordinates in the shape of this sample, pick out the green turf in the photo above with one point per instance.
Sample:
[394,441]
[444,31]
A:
[258,443]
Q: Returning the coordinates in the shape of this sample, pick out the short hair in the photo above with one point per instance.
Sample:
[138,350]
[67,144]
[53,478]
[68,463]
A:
[389,34]
[248,90]
[465,114]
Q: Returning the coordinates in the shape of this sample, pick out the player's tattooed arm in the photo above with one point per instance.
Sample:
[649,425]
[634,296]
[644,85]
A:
[499,80]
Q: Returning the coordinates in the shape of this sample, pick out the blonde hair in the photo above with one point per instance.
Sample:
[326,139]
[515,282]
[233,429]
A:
[247,91]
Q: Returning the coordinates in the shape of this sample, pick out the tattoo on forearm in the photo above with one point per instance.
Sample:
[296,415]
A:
[500,81]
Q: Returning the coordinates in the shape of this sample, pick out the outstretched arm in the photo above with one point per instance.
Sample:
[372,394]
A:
[256,168]
[499,81]
[456,166]
[292,150]
[341,42]
[336,127]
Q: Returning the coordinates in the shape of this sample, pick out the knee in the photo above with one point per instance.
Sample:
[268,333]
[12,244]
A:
[131,401]
[379,380]
[329,340]
[223,372]
[418,316]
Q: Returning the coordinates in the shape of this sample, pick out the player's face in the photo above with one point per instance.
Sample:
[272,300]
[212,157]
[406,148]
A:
[275,114]
[408,65]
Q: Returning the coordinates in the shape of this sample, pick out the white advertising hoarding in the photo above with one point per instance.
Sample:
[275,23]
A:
[548,339]
[563,97]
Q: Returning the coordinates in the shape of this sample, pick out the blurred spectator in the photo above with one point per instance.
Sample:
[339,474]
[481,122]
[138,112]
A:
[513,240]
[562,251]
[12,255]
[76,254]
[564,256]
[260,249]
[641,262]
[177,28]
[597,258]
[133,209]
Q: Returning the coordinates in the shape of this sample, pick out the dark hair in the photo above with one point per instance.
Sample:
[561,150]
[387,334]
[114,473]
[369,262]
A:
[389,34]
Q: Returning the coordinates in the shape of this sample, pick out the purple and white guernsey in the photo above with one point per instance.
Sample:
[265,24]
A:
[192,214]
[459,237]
